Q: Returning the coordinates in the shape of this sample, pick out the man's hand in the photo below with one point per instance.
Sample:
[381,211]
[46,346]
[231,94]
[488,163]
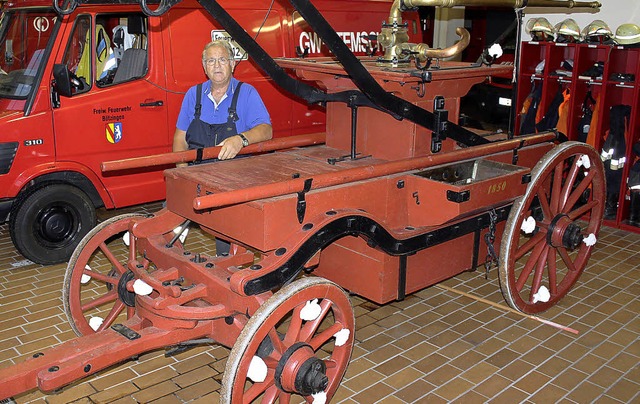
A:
[230,147]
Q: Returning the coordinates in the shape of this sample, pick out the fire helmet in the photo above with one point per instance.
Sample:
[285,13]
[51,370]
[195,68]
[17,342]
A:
[567,31]
[628,34]
[540,29]
[597,32]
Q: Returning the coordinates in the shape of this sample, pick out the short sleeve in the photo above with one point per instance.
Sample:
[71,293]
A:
[252,110]
[187,110]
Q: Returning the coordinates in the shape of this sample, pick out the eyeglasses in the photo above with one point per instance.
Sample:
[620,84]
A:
[213,61]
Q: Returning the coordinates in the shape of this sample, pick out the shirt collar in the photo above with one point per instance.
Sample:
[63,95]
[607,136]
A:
[233,84]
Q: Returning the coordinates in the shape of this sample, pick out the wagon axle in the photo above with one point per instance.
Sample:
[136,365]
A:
[564,232]
[300,371]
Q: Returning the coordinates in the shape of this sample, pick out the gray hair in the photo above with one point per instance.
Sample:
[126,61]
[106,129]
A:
[221,43]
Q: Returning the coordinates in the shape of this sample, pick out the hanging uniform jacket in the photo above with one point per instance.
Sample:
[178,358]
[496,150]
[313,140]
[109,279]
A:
[563,113]
[595,120]
[551,116]
[613,156]
[614,147]
[530,109]
[584,124]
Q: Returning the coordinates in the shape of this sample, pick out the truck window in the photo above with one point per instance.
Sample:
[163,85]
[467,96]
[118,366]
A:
[115,53]
[121,48]
[24,35]
[77,55]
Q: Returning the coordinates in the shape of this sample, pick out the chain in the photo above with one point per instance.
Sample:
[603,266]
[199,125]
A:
[489,238]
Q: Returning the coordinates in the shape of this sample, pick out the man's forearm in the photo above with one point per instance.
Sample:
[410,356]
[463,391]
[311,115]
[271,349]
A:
[259,133]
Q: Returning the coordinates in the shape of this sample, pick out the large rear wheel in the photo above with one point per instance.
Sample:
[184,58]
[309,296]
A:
[553,228]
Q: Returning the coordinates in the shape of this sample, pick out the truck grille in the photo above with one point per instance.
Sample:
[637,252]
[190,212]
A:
[7,154]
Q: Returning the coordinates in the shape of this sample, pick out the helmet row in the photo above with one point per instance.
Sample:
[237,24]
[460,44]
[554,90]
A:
[568,30]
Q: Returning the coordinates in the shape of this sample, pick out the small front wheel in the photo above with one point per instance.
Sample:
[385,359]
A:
[298,343]
[47,223]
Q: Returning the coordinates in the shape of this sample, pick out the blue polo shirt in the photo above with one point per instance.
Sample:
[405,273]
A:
[250,109]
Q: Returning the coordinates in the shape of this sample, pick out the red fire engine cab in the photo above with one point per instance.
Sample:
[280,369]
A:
[129,72]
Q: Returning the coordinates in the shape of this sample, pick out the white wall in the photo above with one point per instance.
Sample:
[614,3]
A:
[613,12]
[444,31]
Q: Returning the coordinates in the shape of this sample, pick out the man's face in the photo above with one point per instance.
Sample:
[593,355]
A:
[218,72]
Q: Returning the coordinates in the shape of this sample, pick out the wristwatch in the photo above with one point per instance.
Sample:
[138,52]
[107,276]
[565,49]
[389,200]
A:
[245,141]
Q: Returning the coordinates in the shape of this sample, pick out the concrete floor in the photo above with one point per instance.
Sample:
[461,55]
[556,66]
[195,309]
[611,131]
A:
[438,345]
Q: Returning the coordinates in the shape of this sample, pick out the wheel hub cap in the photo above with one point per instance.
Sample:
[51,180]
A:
[56,224]
[128,298]
[300,371]
[564,232]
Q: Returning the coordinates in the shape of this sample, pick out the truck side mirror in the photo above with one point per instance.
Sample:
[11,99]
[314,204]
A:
[62,77]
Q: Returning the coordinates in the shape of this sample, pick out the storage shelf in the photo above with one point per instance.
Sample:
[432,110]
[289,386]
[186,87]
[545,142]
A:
[615,61]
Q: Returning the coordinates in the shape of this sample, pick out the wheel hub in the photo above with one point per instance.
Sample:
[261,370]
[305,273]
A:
[300,371]
[128,298]
[564,232]
[55,224]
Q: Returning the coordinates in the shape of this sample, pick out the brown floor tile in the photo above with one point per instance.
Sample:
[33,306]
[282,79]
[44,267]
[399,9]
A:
[415,392]
[373,393]
[510,395]
[453,388]
[155,392]
[548,394]
[586,392]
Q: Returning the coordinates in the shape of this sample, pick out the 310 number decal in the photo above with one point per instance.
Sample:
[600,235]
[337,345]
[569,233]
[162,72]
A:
[33,142]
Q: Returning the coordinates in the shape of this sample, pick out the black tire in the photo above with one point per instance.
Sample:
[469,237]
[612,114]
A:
[47,223]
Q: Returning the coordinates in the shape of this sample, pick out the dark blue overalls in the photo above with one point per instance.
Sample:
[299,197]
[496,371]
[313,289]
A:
[201,134]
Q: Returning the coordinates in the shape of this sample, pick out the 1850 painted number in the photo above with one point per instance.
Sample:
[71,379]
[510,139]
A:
[493,188]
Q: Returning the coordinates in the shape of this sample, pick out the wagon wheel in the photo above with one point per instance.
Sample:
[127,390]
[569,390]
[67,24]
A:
[94,292]
[298,343]
[552,228]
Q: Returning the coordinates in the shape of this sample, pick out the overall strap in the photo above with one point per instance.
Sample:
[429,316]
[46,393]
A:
[233,116]
[196,115]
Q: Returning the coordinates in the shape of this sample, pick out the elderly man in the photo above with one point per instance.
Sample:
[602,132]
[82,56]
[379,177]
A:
[221,111]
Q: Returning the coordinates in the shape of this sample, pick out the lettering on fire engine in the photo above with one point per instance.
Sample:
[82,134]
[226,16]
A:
[110,114]
[356,41]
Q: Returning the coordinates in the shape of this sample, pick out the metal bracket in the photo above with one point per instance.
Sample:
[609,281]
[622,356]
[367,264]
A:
[440,123]
[458,197]
[301,207]
[125,331]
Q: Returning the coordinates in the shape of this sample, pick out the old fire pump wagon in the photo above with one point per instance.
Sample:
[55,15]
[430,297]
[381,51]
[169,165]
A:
[398,198]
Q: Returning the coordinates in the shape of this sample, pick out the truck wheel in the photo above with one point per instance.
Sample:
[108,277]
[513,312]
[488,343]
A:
[47,223]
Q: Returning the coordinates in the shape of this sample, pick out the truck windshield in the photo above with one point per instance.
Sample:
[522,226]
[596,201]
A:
[23,39]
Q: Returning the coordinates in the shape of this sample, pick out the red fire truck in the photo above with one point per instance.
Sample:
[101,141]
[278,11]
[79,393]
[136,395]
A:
[106,82]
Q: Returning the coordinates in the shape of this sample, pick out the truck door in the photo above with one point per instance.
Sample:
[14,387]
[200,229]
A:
[118,104]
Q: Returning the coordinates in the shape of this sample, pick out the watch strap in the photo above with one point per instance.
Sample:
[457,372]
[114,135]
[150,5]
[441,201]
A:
[245,141]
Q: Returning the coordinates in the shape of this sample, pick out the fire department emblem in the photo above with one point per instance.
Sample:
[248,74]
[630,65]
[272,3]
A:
[113,131]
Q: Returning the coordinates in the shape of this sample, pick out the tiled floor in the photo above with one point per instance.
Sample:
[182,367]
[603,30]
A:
[436,346]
